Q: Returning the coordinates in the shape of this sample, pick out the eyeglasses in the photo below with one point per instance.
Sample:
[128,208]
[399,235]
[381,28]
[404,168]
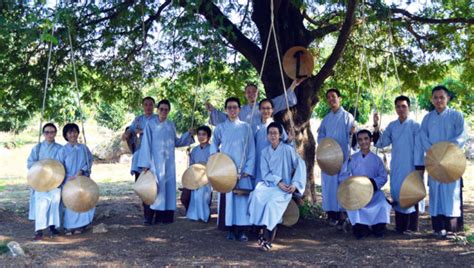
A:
[49,132]
[273,133]
[232,107]
[266,108]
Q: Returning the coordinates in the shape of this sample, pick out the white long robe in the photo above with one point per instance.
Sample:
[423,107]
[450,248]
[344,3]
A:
[230,138]
[337,126]
[45,206]
[157,154]
[141,122]
[74,159]
[216,116]
[378,209]
[268,202]
[200,198]
[445,198]
[406,147]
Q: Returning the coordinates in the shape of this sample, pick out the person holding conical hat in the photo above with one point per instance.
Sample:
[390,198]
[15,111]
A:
[443,124]
[376,214]
[157,155]
[403,135]
[235,138]
[283,173]
[136,128]
[200,199]
[251,94]
[77,160]
[337,124]
[45,205]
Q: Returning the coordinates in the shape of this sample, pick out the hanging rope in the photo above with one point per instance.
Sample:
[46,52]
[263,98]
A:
[77,85]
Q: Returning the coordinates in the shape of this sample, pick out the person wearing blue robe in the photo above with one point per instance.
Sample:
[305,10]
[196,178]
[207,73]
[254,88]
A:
[46,204]
[403,135]
[157,155]
[251,94]
[444,124]
[337,124]
[136,128]
[376,214]
[235,138]
[259,128]
[199,207]
[77,160]
[283,173]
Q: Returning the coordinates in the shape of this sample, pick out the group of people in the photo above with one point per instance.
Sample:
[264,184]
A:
[46,208]
[270,171]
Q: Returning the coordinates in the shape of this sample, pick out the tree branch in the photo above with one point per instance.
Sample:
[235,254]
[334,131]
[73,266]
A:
[430,20]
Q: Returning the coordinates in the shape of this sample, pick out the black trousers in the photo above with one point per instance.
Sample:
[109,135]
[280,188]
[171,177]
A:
[334,215]
[404,222]
[166,216]
[450,224]
[362,230]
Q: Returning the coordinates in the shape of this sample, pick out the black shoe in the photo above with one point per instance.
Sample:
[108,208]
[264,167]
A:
[53,232]
[230,236]
[38,236]
[242,237]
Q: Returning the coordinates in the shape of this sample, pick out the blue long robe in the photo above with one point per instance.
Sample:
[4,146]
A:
[76,158]
[378,209]
[45,206]
[141,122]
[337,126]
[261,141]
[216,117]
[229,138]
[200,198]
[157,154]
[406,149]
[445,198]
[267,203]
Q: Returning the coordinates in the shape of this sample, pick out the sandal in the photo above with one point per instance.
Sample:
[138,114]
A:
[69,232]
[260,240]
[266,246]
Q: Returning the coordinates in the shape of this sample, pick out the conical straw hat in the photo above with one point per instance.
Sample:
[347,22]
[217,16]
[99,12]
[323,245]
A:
[194,177]
[290,63]
[221,172]
[146,188]
[329,156]
[355,192]
[80,194]
[291,215]
[45,175]
[445,162]
[412,190]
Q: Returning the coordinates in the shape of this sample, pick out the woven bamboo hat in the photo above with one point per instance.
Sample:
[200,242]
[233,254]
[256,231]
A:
[412,191]
[355,192]
[45,175]
[291,215]
[194,177]
[298,62]
[445,162]
[329,156]
[146,188]
[80,194]
[221,172]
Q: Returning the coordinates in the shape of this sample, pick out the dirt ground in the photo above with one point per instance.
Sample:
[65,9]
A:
[185,243]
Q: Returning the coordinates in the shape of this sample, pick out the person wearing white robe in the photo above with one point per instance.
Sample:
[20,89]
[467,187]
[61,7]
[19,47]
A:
[235,138]
[444,124]
[283,173]
[136,128]
[200,199]
[338,125]
[77,160]
[376,214]
[46,204]
[157,155]
[403,135]
[260,133]
[251,94]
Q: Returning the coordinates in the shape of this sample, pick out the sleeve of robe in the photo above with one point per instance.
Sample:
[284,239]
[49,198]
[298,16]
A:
[321,131]
[381,177]
[144,156]
[133,125]
[299,175]
[267,176]
[345,171]
[89,159]
[419,153]
[184,140]
[216,117]
[279,102]
[249,166]
[460,136]
[424,139]
[216,141]
[33,156]
[385,138]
